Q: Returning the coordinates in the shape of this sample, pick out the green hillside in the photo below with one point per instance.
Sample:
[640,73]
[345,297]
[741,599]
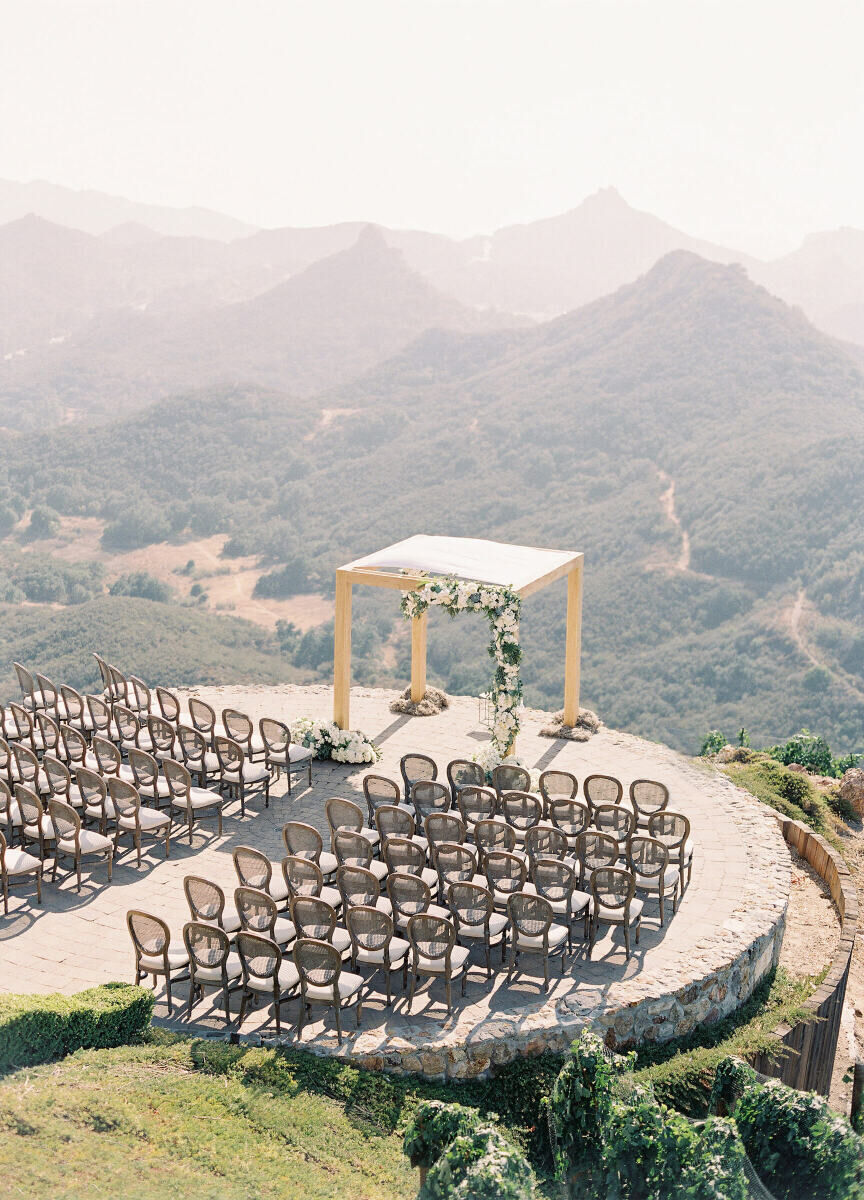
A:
[160,642]
[569,435]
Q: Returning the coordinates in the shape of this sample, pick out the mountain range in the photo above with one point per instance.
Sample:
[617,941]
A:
[569,433]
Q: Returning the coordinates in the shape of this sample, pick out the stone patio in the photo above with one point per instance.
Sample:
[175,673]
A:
[725,937]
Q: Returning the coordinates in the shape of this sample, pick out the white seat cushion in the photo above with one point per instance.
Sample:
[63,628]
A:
[497,924]
[199,798]
[296,756]
[327,863]
[378,868]
[397,950]
[209,763]
[371,835]
[557,935]
[148,818]
[144,742]
[434,910]
[616,915]
[579,901]
[651,883]
[288,979]
[330,896]
[436,966]
[252,773]
[176,959]
[13,814]
[19,862]
[278,888]
[233,970]
[31,831]
[160,791]
[348,985]
[94,811]
[89,841]
[341,939]
[283,931]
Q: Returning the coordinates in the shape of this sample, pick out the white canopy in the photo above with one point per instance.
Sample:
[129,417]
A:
[467,558]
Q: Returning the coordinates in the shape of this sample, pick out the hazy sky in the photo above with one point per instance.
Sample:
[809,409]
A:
[738,120]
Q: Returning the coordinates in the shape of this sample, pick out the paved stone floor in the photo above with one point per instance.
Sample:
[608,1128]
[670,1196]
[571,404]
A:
[735,902]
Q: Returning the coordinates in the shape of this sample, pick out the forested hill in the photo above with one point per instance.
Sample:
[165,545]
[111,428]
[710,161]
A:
[689,403]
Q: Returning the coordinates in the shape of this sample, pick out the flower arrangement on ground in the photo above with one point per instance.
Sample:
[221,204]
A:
[326,740]
[502,606]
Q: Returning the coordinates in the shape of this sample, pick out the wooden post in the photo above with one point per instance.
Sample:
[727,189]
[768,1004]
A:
[573,649]
[342,652]
[418,658]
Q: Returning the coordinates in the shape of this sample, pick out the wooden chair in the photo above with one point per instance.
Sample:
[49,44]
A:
[193,749]
[192,802]
[647,797]
[76,752]
[507,777]
[102,721]
[428,797]
[211,963]
[255,870]
[324,981]
[473,912]
[444,827]
[613,901]
[303,878]
[170,708]
[203,718]
[455,863]
[475,804]
[240,729]
[380,791]
[521,811]
[10,813]
[434,953]
[533,931]
[71,841]
[47,733]
[595,849]
[147,777]
[461,773]
[557,785]
[131,734]
[27,684]
[283,754]
[138,696]
[493,835]
[36,824]
[59,779]
[614,820]
[359,888]
[543,841]
[96,803]
[571,817]
[208,906]
[556,881]
[415,767]
[673,830]
[355,850]
[374,944]
[266,974]
[239,776]
[76,712]
[258,914]
[392,820]
[506,874]
[648,861]
[306,842]
[404,856]
[17,864]
[314,918]
[151,940]
[602,789]
[345,814]
[133,820]
[409,895]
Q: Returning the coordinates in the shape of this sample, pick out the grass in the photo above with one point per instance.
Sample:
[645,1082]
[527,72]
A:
[222,1122]
[145,1121]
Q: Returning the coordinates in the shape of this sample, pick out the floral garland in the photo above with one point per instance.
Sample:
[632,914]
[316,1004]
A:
[327,740]
[502,606]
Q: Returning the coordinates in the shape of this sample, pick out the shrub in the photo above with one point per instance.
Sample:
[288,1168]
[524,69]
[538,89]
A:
[799,1146]
[284,581]
[652,1153]
[140,583]
[808,750]
[36,1029]
[467,1159]
[713,742]
[44,522]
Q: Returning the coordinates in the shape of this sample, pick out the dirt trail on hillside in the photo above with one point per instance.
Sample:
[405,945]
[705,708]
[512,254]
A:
[793,622]
[667,503]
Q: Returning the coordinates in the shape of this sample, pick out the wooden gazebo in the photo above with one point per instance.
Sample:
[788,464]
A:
[408,564]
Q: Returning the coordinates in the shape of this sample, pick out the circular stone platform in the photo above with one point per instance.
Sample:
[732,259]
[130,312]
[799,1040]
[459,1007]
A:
[725,937]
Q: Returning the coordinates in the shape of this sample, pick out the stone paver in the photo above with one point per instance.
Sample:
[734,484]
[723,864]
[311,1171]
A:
[725,937]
